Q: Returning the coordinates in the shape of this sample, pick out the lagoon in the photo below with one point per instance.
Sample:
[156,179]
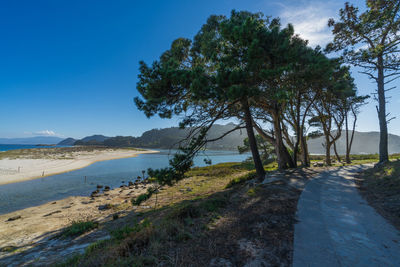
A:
[113,173]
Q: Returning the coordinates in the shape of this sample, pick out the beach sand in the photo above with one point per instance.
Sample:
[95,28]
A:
[34,233]
[13,170]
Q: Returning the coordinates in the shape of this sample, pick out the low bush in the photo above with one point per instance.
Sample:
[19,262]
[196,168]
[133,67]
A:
[78,228]
[143,197]
[242,179]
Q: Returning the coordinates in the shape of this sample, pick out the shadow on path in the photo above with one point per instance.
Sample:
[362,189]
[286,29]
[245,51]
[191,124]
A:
[338,228]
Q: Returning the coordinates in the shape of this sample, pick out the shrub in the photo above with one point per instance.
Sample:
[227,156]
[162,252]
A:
[242,179]
[78,228]
[143,197]
[213,204]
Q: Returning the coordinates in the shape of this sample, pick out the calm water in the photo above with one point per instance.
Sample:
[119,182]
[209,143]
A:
[112,172]
[13,147]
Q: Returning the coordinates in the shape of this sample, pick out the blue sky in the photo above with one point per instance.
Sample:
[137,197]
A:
[69,68]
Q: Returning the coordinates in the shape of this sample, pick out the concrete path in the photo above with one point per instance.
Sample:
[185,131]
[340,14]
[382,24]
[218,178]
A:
[338,228]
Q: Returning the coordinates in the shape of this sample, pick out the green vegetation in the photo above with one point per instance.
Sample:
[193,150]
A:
[78,228]
[200,224]
[250,68]
[370,40]
[242,179]
[381,186]
[143,197]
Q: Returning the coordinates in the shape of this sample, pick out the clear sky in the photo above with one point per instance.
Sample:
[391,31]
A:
[69,68]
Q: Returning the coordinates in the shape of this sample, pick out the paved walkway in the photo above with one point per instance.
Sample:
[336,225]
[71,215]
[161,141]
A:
[338,228]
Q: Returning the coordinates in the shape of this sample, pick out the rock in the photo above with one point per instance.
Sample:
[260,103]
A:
[8,249]
[105,207]
[220,262]
[99,186]
[54,202]
[106,188]
[136,187]
[14,218]
[94,194]
[130,183]
[271,179]
[318,164]
[51,213]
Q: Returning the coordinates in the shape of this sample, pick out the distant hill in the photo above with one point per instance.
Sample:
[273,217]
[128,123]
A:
[96,139]
[48,140]
[67,142]
[168,138]
[364,143]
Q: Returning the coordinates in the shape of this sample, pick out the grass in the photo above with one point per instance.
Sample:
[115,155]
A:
[189,225]
[381,187]
[355,159]
[143,243]
[78,228]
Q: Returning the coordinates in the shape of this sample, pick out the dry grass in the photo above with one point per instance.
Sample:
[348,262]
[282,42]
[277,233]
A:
[198,222]
[381,187]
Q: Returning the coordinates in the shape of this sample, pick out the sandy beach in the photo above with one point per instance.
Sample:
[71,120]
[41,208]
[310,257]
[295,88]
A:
[33,234]
[37,165]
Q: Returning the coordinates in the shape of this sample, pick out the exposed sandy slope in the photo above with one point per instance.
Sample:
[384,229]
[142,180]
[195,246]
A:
[32,233]
[22,169]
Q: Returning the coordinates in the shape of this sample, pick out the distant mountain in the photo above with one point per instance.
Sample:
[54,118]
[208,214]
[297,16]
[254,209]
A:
[48,140]
[364,143]
[67,142]
[96,137]
[169,138]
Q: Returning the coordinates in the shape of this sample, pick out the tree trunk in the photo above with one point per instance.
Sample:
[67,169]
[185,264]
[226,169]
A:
[283,157]
[304,152]
[327,151]
[299,133]
[336,153]
[383,140]
[252,141]
[347,139]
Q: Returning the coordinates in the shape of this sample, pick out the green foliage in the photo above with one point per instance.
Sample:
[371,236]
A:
[78,228]
[266,148]
[365,37]
[143,197]
[125,231]
[242,179]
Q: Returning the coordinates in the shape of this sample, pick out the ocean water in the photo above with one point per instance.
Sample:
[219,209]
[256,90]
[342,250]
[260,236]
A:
[13,147]
[112,173]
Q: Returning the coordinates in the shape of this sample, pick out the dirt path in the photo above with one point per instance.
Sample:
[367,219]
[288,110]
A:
[338,228]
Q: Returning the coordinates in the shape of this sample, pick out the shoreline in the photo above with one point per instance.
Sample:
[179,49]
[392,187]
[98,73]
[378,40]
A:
[34,227]
[25,169]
